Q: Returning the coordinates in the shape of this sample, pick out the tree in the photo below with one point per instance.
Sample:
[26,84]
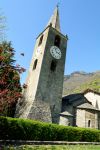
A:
[10,87]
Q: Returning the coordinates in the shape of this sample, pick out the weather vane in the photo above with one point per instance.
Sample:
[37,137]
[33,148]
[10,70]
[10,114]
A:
[58,4]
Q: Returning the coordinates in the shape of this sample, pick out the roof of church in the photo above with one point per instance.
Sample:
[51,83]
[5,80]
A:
[73,97]
[87,106]
[90,90]
[54,20]
[66,113]
[77,96]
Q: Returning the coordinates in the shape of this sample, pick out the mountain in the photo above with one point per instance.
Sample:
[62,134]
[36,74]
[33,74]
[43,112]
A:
[79,81]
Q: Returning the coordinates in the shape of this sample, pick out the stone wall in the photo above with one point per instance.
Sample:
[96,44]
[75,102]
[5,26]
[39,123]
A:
[83,117]
[80,118]
[66,120]
[94,99]
[93,117]
[40,111]
[44,86]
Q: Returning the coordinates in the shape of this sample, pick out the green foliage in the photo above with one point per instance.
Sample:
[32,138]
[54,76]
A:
[21,129]
[93,85]
[91,136]
[78,82]
[53,147]
[10,87]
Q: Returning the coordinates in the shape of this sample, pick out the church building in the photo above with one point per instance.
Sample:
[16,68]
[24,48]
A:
[42,99]
[81,110]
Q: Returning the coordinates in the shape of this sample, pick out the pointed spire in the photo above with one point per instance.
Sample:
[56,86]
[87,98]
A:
[54,20]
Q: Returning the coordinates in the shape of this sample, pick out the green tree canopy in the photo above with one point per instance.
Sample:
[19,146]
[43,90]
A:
[10,88]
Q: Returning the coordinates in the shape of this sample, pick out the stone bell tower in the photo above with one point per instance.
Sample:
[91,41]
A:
[43,95]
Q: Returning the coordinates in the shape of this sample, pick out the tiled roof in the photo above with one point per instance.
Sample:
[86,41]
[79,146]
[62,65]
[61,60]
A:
[90,90]
[87,106]
[66,113]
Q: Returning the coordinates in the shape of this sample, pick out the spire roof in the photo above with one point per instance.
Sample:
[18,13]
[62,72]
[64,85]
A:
[54,20]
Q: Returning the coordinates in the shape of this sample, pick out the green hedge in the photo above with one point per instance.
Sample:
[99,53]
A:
[21,129]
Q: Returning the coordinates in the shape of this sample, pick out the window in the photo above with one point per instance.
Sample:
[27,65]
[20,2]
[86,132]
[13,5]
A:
[68,123]
[40,41]
[57,41]
[51,24]
[89,123]
[35,64]
[53,65]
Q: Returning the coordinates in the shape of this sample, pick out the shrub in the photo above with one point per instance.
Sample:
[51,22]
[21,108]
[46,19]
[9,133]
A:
[24,129]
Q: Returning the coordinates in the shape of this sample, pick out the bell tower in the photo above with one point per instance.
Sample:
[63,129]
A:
[43,95]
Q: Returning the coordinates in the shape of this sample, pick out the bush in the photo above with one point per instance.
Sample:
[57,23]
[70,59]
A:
[23,129]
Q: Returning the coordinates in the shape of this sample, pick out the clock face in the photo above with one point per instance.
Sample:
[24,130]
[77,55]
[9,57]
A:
[55,52]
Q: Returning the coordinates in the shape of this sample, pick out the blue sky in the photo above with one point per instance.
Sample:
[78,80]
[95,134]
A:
[80,20]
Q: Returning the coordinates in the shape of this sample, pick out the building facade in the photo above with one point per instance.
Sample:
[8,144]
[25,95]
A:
[81,110]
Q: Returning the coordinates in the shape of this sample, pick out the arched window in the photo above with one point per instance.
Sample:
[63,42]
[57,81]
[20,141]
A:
[40,41]
[89,123]
[51,24]
[68,123]
[35,64]
[53,65]
[57,41]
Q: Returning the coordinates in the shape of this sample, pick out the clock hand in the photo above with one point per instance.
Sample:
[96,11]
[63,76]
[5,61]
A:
[57,52]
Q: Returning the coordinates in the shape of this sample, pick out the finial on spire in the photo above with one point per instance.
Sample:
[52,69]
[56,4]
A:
[58,4]
[54,20]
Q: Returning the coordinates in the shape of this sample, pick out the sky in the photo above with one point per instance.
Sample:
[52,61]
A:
[79,19]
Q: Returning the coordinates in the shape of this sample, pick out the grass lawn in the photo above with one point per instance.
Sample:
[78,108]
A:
[55,147]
